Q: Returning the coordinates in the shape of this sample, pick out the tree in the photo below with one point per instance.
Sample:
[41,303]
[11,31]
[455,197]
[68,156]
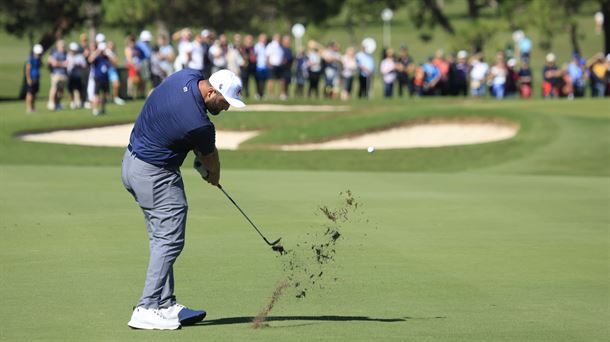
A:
[44,21]
[605,9]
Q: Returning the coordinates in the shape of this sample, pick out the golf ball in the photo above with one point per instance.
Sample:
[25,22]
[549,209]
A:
[371,149]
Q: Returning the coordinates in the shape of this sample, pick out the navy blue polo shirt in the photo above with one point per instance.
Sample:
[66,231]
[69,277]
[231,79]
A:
[172,122]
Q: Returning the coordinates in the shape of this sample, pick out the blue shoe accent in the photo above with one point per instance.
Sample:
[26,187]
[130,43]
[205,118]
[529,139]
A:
[187,316]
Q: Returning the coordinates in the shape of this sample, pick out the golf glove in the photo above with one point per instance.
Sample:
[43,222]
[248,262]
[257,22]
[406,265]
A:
[200,168]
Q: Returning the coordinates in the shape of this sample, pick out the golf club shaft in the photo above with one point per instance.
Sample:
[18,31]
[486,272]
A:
[246,216]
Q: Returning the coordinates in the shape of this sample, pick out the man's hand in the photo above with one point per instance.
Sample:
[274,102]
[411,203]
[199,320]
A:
[200,168]
[210,164]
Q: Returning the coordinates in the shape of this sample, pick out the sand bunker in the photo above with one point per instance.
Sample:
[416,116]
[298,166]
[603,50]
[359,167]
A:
[118,136]
[431,134]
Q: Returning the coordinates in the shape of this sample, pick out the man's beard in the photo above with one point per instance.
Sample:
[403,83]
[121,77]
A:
[214,110]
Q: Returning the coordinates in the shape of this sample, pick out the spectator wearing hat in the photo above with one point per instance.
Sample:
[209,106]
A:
[59,75]
[76,67]
[551,76]
[102,59]
[460,75]
[366,67]
[144,44]
[99,39]
[32,77]
[209,37]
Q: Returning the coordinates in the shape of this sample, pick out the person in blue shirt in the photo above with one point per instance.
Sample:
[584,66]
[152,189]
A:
[431,77]
[366,65]
[577,75]
[172,122]
[32,78]
[102,60]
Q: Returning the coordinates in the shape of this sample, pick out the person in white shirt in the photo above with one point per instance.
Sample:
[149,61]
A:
[218,53]
[76,67]
[185,47]
[388,71]
[497,76]
[350,68]
[478,75]
[196,61]
[275,55]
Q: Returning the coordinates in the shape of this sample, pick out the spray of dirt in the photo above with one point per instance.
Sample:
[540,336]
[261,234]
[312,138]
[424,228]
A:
[307,265]
[258,321]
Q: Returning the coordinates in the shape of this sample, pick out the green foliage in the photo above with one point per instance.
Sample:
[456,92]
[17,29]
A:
[45,20]
[132,15]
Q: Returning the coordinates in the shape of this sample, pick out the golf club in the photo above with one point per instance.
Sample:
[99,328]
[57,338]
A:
[274,245]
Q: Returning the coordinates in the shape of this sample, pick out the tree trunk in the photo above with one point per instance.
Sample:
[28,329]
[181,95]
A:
[440,16]
[574,37]
[605,9]
[473,9]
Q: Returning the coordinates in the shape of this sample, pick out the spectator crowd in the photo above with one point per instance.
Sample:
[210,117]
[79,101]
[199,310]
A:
[89,72]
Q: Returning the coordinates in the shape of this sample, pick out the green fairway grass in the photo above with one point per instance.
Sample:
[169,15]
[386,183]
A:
[505,241]
[445,257]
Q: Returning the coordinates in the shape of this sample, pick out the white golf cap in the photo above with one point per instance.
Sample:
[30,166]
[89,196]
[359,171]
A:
[145,36]
[100,37]
[511,62]
[229,85]
[462,54]
[550,57]
[73,46]
[205,33]
[37,49]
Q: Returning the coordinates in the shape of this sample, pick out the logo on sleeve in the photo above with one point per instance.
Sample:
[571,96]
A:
[185,89]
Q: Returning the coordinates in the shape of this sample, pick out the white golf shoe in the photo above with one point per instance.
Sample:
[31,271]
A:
[183,314]
[150,319]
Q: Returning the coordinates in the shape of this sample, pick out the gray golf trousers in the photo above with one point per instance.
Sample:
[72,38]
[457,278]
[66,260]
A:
[160,194]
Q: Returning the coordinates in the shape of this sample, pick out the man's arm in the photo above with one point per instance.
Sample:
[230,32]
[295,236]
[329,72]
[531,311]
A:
[211,162]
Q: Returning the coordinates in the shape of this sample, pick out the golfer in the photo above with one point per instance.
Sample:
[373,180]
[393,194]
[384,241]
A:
[172,122]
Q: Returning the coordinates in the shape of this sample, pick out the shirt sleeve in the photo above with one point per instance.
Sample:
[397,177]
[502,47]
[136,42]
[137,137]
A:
[203,139]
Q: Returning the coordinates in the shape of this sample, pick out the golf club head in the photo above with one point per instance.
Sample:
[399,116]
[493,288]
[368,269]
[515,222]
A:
[278,248]
[275,242]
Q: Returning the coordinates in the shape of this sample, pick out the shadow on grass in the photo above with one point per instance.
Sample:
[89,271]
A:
[329,318]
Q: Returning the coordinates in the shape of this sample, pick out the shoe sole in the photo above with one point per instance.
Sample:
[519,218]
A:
[193,320]
[144,326]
